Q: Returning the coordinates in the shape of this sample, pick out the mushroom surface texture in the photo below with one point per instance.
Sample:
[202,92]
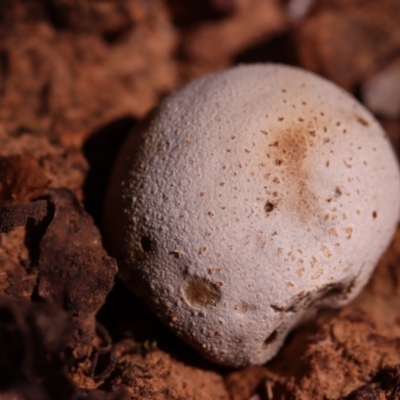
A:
[248,200]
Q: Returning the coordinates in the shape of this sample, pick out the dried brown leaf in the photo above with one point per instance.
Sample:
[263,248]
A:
[74,270]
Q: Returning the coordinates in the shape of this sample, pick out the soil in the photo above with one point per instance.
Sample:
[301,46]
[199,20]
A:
[75,77]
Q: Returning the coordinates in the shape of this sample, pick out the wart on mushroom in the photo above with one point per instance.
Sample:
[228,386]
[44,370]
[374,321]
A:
[251,198]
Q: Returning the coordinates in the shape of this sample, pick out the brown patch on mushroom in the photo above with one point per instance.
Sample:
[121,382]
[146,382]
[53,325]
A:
[349,232]
[243,308]
[176,253]
[202,249]
[292,155]
[201,293]
[362,120]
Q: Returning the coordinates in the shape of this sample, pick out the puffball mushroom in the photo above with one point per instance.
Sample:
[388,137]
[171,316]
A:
[248,200]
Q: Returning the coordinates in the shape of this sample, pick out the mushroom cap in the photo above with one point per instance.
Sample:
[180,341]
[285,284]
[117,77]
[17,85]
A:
[248,200]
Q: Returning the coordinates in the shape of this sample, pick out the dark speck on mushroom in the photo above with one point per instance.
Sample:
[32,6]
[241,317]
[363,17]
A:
[268,206]
[270,339]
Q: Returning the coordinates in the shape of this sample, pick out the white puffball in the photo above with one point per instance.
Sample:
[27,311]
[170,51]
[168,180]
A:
[249,199]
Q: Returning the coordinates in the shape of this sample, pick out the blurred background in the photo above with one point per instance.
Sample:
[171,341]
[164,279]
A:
[68,67]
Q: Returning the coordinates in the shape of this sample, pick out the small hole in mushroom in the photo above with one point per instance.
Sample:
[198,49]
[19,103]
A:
[276,308]
[335,291]
[146,244]
[270,339]
[268,207]
[374,214]
[331,291]
[327,294]
[201,293]
[290,309]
